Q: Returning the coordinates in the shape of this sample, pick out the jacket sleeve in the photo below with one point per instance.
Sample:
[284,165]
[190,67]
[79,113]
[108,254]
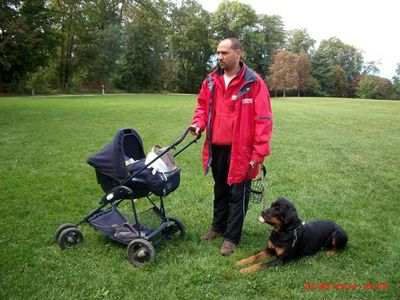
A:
[201,111]
[263,123]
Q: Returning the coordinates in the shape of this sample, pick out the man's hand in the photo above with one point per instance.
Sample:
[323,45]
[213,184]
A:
[194,129]
[253,164]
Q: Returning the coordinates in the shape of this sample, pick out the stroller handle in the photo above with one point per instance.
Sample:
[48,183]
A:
[183,136]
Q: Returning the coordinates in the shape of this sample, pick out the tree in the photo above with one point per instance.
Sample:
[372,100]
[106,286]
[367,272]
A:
[299,41]
[396,83]
[261,41]
[69,18]
[374,87]
[27,40]
[144,47]
[289,71]
[331,53]
[370,68]
[337,81]
[232,19]
[98,44]
[188,47]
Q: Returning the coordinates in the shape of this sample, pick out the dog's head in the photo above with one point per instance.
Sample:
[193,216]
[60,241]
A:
[281,215]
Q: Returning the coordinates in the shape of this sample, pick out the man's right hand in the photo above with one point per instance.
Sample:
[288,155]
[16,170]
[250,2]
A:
[194,129]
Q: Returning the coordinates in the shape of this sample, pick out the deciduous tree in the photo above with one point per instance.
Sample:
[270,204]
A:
[261,41]
[289,71]
[27,40]
[232,19]
[374,87]
[188,47]
[299,41]
[331,53]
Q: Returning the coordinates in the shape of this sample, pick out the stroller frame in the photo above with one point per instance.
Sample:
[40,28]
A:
[108,219]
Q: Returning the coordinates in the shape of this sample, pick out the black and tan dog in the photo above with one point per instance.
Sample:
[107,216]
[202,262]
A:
[291,239]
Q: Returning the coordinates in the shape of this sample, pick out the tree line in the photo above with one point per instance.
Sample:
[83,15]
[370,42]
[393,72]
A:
[166,45]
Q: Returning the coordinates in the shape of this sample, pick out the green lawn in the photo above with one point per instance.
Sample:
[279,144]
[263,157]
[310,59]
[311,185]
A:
[335,159]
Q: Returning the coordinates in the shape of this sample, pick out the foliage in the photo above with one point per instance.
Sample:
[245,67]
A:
[27,40]
[337,81]
[188,47]
[155,45]
[374,87]
[330,54]
[289,71]
[98,47]
[144,46]
[334,158]
[232,19]
[396,83]
[299,41]
[370,68]
[261,41]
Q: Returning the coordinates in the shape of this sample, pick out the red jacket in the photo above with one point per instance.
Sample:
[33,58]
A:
[251,120]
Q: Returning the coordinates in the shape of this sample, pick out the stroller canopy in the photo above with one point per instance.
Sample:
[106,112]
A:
[110,160]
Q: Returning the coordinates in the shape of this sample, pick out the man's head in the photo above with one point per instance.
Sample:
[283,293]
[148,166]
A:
[229,52]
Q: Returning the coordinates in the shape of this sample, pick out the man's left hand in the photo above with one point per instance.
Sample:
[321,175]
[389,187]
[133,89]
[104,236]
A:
[253,164]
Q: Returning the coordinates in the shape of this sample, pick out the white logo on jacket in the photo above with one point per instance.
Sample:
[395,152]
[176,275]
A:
[247,101]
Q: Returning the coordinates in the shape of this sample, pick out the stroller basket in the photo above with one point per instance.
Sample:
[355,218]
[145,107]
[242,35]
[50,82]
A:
[114,224]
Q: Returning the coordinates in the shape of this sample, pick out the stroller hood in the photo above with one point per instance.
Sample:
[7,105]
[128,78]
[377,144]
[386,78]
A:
[110,160]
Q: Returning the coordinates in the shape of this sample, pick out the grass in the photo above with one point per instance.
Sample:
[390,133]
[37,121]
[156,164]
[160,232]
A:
[334,158]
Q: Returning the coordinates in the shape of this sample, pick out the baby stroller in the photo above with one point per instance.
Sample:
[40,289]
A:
[124,173]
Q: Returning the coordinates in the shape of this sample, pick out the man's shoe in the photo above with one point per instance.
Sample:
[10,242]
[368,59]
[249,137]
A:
[227,248]
[210,235]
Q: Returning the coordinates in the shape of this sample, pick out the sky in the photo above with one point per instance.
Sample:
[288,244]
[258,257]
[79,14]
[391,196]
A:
[372,26]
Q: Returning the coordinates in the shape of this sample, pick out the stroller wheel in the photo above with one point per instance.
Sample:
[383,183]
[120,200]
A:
[70,237]
[175,228]
[141,251]
[61,228]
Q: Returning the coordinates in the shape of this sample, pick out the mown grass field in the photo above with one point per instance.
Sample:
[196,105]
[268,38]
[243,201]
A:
[335,159]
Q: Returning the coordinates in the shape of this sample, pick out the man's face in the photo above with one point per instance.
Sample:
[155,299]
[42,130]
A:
[228,58]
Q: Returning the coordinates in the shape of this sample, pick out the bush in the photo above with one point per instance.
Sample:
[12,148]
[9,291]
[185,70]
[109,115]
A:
[374,87]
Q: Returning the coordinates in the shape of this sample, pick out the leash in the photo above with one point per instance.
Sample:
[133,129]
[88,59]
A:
[295,234]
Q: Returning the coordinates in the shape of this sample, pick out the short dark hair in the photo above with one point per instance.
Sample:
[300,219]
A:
[235,43]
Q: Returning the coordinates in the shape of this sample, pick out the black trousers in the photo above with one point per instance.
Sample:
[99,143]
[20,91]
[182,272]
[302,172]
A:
[230,201]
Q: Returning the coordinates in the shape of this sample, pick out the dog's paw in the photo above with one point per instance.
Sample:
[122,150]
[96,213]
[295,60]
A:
[242,262]
[251,269]
[331,252]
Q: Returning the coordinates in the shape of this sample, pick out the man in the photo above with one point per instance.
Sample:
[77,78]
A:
[234,107]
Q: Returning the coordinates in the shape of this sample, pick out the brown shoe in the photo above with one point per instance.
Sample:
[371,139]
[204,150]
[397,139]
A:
[210,235]
[227,248]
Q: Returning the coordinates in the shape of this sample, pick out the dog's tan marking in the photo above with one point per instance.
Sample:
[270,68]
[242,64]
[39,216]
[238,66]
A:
[275,222]
[277,250]
[252,268]
[252,259]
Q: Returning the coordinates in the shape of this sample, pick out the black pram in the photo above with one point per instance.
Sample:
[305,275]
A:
[125,173]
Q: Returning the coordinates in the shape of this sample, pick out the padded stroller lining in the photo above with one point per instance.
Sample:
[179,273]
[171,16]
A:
[132,148]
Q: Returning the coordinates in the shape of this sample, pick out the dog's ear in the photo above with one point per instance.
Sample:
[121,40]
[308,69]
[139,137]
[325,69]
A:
[291,216]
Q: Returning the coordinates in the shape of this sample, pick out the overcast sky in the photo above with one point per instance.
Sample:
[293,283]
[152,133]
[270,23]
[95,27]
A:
[372,26]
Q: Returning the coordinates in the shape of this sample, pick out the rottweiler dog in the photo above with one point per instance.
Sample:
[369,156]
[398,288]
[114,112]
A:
[291,239]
